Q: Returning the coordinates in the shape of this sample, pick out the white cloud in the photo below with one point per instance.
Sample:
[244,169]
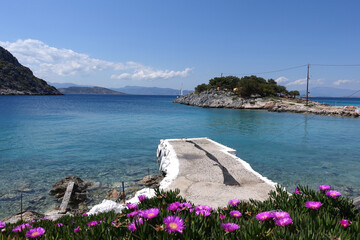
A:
[281,80]
[302,81]
[47,61]
[149,73]
[340,82]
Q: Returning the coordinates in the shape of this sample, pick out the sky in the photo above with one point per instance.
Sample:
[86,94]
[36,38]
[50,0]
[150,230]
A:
[174,43]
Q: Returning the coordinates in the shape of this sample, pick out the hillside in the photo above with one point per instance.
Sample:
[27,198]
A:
[16,79]
[89,90]
[138,90]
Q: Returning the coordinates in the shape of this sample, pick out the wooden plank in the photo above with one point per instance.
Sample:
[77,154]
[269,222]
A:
[66,198]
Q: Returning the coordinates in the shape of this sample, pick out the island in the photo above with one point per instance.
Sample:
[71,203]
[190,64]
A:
[89,90]
[252,92]
[16,79]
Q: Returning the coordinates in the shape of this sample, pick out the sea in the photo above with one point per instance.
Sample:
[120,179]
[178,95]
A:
[110,139]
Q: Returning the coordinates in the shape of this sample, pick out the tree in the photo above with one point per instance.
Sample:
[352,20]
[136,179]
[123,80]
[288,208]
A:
[201,88]
[293,94]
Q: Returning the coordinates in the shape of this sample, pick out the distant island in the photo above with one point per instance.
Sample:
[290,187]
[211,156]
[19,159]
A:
[16,79]
[251,92]
[89,90]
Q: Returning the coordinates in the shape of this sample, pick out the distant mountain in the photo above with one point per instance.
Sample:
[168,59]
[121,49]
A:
[89,90]
[330,92]
[137,90]
[66,85]
[16,79]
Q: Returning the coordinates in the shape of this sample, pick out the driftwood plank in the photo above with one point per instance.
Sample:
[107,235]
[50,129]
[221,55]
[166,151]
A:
[66,198]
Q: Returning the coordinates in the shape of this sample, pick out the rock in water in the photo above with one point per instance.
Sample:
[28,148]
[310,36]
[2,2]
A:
[152,181]
[16,79]
[79,193]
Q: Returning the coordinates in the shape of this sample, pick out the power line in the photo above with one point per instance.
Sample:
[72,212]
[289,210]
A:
[279,70]
[336,65]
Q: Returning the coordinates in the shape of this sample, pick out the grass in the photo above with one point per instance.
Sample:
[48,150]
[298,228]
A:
[322,223]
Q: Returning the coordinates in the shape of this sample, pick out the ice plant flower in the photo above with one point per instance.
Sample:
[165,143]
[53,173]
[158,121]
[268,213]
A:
[324,187]
[234,202]
[345,223]
[313,205]
[174,224]
[132,226]
[203,207]
[264,216]
[283,221]
[204,213]
[60,224]
[84,214]
[21,227]
[77,229]
[2,224]
[141,197]
[174,206]
[297,191]
[132,214]
[185,205]
[235,214]
[92,223]
[132,206]
[280,215]
[333,193]
[230,227]
[46,219]
[35,232]
[222,217]
[150,213]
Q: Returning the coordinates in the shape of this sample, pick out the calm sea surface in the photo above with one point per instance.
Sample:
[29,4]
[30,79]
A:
[109,139]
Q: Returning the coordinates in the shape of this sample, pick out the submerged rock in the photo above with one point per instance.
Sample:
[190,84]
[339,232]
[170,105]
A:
[79,193]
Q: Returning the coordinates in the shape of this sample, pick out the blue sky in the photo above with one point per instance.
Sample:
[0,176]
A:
[167,43]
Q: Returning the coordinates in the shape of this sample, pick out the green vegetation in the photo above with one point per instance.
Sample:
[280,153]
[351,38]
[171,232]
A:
[322,222]
[247,86]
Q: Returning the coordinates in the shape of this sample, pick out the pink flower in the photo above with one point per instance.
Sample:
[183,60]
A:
[333,193]
[234,202]
[174,224]
[132,226]
[203,207]
[345,223]
[264,216]
[229,227]
[222,217]
[283,221]
[142,198]
[150,213]
[204,213]
[185,205]
[35,232]
[297,191]
[280,215]
[235,214]
[313,205]
[77,229]
[324,187]
[174,206]
[93,223]
[132,214]
[84,214]
[21,227]
[2,224]
[46,219]
[132,206]
[60,224]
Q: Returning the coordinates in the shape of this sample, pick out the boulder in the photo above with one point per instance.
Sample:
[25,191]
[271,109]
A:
[79,193]
[356,203]
[152,181]
[27,216]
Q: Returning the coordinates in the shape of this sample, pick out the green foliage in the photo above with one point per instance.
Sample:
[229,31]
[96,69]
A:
[294,93]
[247,86]
[322,223]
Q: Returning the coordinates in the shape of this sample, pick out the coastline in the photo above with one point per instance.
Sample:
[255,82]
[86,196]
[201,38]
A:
[222,99]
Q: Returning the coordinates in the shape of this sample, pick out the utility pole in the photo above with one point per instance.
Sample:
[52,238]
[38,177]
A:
[221,74]
[307,85]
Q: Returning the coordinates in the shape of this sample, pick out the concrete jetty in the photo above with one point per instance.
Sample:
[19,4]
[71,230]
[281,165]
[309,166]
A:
[207,172]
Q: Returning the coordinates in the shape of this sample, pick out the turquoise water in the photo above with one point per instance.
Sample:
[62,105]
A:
[109,139]
[337,101]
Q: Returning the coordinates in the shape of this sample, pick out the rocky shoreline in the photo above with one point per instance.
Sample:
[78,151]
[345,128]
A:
[222,99]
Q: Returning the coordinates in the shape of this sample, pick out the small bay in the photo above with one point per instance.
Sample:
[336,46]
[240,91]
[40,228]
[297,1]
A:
[113,138]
